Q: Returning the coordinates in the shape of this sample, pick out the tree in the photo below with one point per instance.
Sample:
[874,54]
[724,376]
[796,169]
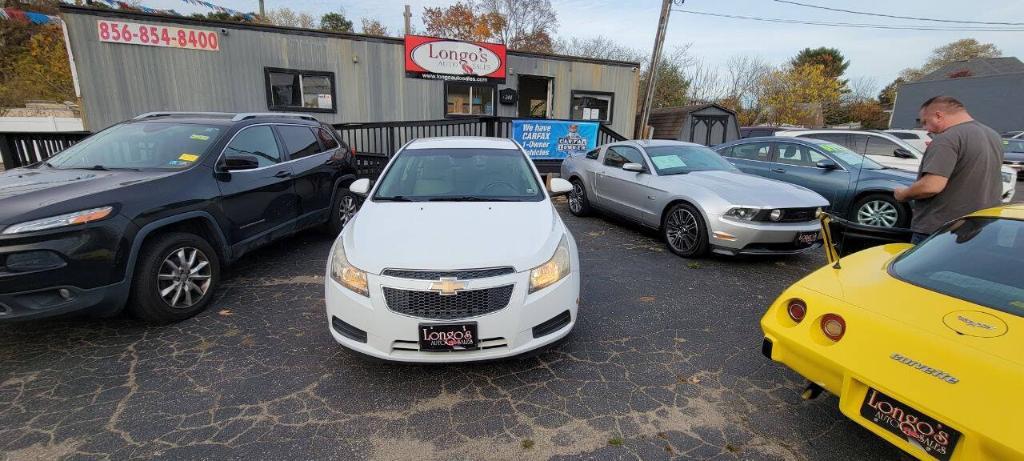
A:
[285,17]
[36,68]
[672,86]
[960,50]
[831,60]
[797,95]
[525,25]
[460,21]
[887,96]
[335,22]
[870,114]
[374,27]
[222,16]
[599,47]
[745,75]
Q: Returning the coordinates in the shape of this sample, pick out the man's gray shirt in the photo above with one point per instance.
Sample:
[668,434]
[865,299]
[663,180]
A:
[970,156]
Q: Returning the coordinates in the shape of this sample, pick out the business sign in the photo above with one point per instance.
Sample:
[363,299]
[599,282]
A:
[443,59]
[553,139]
[134,33]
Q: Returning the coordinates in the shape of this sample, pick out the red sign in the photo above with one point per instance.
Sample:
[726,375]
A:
[444,59]
[153,35]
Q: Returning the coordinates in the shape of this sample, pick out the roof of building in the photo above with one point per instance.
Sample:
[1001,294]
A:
[65,8]
[462,142]
[978,67]
[668,121]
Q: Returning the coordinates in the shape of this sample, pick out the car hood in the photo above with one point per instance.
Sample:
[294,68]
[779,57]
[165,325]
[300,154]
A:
[452,235]
[31,193]
[1013,156]
[749,190]
[864,281]
[901,176]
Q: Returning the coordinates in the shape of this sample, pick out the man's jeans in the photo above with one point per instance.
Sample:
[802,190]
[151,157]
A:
[918,238]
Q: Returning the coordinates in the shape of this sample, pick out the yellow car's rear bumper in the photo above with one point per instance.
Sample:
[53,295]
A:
[861,361]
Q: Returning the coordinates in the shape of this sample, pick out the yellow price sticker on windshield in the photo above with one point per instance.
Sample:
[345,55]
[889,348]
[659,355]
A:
[199,137]
[188,157]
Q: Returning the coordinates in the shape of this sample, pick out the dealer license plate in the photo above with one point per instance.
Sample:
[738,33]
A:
[807,238]
[918,429]
[448,336]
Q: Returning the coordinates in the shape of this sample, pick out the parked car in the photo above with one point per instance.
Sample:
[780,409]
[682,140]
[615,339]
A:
[888,150]
[1013,154]
[758,131]
[917,138]
[153,208]
[858,188]
[457,255]
[698,200]
[922,344]
[1011,134]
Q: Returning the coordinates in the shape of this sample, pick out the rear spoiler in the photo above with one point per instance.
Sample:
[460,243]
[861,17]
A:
[844,237]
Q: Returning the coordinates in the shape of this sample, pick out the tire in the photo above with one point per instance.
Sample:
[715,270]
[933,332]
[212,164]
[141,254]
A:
[579,205]
[346,204]
[685,232]
[880,210]
[155,273]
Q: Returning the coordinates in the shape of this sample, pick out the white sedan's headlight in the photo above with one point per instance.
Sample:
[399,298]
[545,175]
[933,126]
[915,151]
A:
[346,274]
[554,270]
[1007,177]
[69,219]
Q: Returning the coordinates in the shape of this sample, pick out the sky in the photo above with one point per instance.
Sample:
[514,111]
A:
[874,54]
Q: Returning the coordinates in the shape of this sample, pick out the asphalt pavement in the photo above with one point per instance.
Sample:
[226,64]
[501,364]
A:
[664,363]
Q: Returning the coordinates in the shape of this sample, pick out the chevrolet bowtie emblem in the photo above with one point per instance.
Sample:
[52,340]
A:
[448,286]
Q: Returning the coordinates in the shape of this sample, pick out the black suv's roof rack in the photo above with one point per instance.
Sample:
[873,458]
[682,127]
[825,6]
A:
[248,115]
[165,113]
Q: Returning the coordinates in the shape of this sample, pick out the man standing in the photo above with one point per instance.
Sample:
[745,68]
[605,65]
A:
[960,172]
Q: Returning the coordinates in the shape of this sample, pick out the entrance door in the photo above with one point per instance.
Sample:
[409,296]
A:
[534,97]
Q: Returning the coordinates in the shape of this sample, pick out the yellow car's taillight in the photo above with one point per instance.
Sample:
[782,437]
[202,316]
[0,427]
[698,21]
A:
[833,326]
[797,310]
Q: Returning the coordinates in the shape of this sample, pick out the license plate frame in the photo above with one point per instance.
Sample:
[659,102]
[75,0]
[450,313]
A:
[446,337]
[893,416]
[807,238]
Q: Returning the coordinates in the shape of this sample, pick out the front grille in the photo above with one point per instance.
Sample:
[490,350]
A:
[432,305]
[789,215]
[552,325]
[464,274]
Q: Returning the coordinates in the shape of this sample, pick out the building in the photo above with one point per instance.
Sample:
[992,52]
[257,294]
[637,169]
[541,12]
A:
[707,124]
[991,88]
[127,63]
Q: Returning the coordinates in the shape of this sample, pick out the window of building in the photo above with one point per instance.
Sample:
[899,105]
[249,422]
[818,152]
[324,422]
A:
[592,105]
[300,90]
[468,99]
[299,141]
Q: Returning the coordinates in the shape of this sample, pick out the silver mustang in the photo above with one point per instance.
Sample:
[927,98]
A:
[697,199]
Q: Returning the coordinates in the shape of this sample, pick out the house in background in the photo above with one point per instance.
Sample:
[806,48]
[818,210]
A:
[707,124]
[991,88]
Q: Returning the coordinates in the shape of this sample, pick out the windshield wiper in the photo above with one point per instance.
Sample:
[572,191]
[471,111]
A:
[467,198]
[396,198]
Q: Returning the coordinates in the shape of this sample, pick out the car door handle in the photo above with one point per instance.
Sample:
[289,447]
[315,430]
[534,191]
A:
[282,174]
[778,170]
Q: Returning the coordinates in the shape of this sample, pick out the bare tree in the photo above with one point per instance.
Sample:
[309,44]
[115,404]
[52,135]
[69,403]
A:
[705,83]
[374,27]
[288,18]
[862,88]
[528,24]
[599,47]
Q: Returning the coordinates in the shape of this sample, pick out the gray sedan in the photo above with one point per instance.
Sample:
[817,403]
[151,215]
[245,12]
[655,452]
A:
[698,200]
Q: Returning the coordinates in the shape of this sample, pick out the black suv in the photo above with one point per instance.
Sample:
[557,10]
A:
[145,213]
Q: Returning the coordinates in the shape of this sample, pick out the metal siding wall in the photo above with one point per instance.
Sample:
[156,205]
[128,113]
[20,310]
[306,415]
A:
[120,81]
[994,101]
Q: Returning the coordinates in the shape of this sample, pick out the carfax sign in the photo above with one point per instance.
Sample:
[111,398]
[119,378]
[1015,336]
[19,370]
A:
[553,139]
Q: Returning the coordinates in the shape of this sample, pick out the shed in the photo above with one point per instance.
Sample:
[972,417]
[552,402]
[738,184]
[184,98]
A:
[707,124]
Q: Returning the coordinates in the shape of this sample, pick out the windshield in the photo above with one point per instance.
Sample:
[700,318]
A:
[850,157]
[971,259]
[670,160]
[141,145]
[1013,145]
[460,175]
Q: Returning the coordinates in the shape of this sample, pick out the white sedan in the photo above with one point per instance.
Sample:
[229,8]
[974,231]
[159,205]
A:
[456,255]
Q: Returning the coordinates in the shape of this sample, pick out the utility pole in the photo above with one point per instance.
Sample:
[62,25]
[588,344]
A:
[408,20]
[263,13]
[652,72]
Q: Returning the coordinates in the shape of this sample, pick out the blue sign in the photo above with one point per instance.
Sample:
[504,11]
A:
[553,139]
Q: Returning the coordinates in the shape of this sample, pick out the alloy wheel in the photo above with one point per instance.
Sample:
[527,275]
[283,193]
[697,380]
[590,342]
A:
[681,230]
[347,209]
[878,213]
[576,198]
[184,277]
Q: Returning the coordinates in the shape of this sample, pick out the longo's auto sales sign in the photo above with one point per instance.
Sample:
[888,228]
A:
[443,59]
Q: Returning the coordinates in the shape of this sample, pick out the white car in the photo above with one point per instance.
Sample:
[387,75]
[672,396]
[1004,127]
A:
[889,151]
[456,254]
[917,138]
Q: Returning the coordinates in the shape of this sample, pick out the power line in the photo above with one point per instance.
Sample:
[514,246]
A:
[852,25]
[901,17]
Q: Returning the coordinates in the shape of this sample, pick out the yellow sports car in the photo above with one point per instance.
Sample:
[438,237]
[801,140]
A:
[923,345]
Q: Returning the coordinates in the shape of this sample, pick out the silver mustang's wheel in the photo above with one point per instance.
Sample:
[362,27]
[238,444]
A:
[184,277]
[684,231]
[879,213]
[578,203]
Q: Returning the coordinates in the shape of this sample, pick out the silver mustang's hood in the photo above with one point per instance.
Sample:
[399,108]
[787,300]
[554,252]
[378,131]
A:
[749,190]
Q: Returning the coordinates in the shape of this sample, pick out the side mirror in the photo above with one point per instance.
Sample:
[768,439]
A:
[240,162]
[827,164]
[902,153]
[633,167]
[360,187]
[559,186]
